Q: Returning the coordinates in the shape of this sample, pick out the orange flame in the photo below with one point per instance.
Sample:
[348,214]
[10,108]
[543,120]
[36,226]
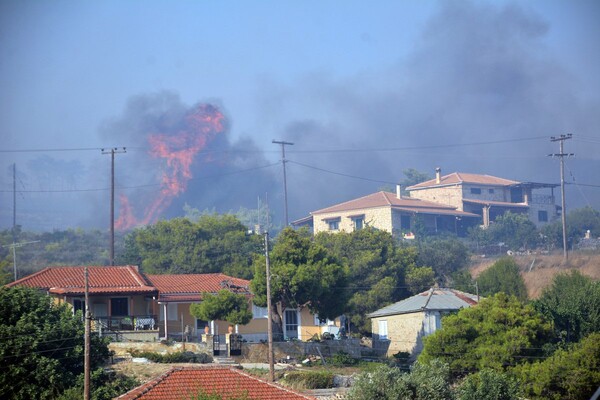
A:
[178,152]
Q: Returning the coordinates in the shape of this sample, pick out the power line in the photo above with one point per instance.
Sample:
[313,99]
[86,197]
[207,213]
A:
[341,174]
[144,186]
[348,150]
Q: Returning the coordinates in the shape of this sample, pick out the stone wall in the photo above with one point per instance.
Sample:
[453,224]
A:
[446,195]
[404,332]
[257,352]
[380,218]
[122,349]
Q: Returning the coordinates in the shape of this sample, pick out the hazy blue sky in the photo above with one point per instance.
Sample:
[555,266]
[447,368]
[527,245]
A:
[325,74]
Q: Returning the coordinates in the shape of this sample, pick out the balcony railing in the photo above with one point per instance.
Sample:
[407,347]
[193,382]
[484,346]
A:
[542,199]
[128,323]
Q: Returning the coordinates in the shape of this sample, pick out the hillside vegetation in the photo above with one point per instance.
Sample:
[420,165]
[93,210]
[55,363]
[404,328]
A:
[539,270]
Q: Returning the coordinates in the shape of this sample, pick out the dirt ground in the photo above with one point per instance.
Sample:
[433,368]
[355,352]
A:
[539,270]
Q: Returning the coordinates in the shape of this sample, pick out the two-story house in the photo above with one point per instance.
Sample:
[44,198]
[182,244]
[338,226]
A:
[390,212]
[489,196]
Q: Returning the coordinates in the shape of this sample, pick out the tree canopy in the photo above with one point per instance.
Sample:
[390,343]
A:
[572,302]
[424,382]
[224,306]
[303,274]
[572,373]
[444,255]
[214,243]
[579,221]
[497,333]
[41,345]
[514,230]
[503,276]
[380,271]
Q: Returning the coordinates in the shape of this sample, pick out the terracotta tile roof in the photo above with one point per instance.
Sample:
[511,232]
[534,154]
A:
[184,383]
[188,287]
[462,177]
[70,280]
[388,199]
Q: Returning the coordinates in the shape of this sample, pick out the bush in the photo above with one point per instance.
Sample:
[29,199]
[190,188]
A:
[178,357]
[310,380]
[488,385]
[343,359]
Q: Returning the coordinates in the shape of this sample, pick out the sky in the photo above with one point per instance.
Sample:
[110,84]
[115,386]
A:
[364,90]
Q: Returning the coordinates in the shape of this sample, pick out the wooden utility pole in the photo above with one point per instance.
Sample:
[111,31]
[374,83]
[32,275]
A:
[283,161]
[561,139]
[269,310]
[14,232]
[14,251]
[112,153]
[86,356]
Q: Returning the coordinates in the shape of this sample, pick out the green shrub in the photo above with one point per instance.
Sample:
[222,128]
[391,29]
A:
[177,357]
[343,359]
[310,379]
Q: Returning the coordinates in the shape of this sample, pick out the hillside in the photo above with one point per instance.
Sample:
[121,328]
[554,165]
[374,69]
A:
[539,270]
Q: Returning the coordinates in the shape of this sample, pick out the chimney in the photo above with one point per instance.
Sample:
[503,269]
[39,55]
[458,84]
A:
[438,173]
[399,191]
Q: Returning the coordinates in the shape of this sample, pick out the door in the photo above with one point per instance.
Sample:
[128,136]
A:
[291,324]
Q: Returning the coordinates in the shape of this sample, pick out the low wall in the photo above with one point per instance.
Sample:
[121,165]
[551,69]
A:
[123,348]
[258,352]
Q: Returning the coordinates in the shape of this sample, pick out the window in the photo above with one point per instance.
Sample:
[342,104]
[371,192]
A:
[490,191]
[383,332]
[358,223]
[333,224]
[78,304]
[119,306]
[171,311]
[200,324]
[543,216]
[475,191]
[405,222]
[259,312]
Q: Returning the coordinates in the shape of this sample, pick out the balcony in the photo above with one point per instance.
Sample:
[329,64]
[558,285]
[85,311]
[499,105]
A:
[128,323]
[542,199]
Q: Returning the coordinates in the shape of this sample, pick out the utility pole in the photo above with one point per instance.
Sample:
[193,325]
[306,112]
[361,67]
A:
[14,251]
[283,161]
[269,308]
[14,232]
[561,139]
[86,356]
[112,153]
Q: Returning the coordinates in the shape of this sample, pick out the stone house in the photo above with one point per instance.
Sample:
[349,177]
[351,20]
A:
[125,303]
[489,196]
[390,212]
[403,325]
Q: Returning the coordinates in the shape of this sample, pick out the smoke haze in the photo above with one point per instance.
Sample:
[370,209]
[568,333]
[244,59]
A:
[476,73]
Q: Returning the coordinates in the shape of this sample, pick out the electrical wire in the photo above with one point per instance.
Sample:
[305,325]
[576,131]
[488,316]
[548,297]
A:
[144,186]
[340,173]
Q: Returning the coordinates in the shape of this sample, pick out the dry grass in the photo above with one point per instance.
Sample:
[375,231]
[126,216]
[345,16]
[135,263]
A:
[538,271]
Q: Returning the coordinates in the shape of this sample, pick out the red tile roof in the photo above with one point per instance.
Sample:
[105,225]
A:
[388,199]
[188,287]
[70,280]
[184,383]
[462,177]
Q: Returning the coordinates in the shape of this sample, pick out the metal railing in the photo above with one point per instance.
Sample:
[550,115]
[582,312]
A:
[128,323]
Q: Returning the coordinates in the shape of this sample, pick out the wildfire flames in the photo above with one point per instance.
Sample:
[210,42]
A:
[178,152]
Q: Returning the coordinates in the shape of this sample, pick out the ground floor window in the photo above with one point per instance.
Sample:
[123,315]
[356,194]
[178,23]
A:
[383,330]
[119,306]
